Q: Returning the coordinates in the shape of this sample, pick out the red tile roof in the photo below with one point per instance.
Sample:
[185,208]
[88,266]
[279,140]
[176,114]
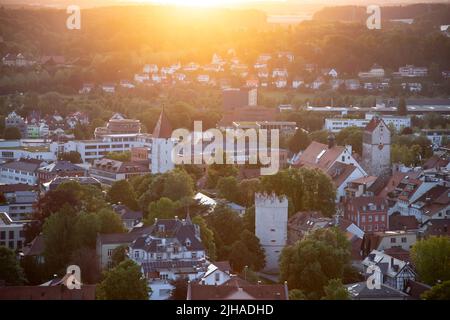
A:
[239,291]
[309,157]
[163,129]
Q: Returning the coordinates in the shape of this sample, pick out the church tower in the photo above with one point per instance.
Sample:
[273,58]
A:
[162,145]
[271,218]
[376,147]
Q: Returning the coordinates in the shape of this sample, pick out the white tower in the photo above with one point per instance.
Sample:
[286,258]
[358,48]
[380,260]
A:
[271,217]
[162,145]
[376,147]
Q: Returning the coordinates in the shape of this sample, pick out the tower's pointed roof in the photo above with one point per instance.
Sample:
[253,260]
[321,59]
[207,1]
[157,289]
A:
[163,129]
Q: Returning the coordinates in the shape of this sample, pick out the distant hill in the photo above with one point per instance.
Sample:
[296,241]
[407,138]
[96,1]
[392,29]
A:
[437,13]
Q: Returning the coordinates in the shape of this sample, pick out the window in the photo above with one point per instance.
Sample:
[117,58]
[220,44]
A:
[3,235]
[217,276]
[403,239]
[194,254]
[273,230]
[376,218]
[369,228]
[136,254]
[110,251]
[393,240]
[363,219]
[382,218]
[11,244]
[370,218]
[11,235]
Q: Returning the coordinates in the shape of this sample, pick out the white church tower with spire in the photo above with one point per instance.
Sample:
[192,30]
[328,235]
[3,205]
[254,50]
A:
[271,218]
[162,145]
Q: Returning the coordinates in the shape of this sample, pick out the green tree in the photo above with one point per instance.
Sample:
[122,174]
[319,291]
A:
[440,291]
[308,189]
[256,260]
[124,282]
[177,185]
[335,290]
[72,156]
[351,136]
[85,230]
[119,156]
[296,294]
[164,208]
[432,259]
[247,189]
[10,270]
[109,221]
[207,236]
[59,238]
[299,141]
[401,109]
[228,188]
[118,255]
[12,133]
[239,256]
[121,191]
[313,261]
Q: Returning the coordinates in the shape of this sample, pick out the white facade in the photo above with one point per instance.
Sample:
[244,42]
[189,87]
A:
[11,233]
[271,217]
[377,149]
[337,124]
[161,155]
[96,149]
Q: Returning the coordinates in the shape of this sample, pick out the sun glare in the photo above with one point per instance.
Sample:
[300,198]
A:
[197,3]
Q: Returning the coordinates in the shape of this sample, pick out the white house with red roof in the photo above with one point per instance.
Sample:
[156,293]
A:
[336,161]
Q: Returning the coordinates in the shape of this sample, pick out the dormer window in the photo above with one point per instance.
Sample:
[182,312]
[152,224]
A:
[161,228]
[187,243]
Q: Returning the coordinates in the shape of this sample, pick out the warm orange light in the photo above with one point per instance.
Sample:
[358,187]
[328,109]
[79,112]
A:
[195,3]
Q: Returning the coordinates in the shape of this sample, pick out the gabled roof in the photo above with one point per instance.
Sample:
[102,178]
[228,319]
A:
[126,213]
[36,247]
[61,166]
[319,155]
[361,291]
[233,290]
[163,129]
[339,172]
[373,124]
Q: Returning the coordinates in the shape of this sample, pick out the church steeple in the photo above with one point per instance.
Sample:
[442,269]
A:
[163,129]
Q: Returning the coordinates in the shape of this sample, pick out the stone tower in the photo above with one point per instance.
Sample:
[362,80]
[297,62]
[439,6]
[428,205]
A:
[376,148]
[271,217]
[162,145]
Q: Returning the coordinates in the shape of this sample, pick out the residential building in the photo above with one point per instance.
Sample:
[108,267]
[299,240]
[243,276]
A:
[56,182]
[360,291]
[168,240]
[59,169]
[21,171]
[237,289]
[412,71]
[15,120]
[368,213]
[11,233]
[26,149]
[376,147]
[337,124]
[216,274]
[359,187]
[106,243]
[271,217]
[108,171]
[437,136]
[433,204]
[375,72]
[394,272]
[130,218]
[19,200]
[118,124]
[403,239]
[160,274]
